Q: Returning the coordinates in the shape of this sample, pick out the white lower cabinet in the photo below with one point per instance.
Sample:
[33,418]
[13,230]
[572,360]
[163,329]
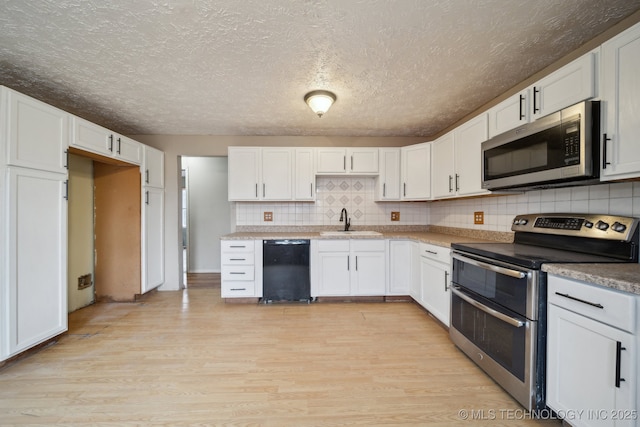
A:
[349,267]
[592,353]
[152,238]
[435,273]
[241,268]
[33,278]
[399,267]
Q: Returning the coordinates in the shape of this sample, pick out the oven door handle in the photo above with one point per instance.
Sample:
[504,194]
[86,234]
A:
[507,319]
[502,270]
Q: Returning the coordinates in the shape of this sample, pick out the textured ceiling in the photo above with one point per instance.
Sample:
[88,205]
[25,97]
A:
[230,67]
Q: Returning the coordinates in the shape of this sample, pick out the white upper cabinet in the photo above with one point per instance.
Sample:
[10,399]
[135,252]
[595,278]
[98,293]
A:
[443,173]
[260,173]
[621,105]
[468,156]
[388,182]
[153,167]
[416,172]
[305,174]
[96,139]
[569,85]
[361,161]
[37,134]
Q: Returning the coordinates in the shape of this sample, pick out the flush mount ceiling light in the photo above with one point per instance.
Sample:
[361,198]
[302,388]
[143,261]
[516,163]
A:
[320,101]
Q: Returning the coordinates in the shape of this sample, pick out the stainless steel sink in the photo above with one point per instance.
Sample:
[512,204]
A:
[350,233]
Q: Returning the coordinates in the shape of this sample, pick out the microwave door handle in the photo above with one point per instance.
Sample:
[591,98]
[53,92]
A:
[496,268]
[507,319]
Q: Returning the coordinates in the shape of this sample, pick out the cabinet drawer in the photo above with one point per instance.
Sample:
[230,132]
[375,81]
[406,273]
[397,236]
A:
[609,306]
[237,258]
[435,252]
[368,245]
[238,289]
[237,272]
[333,245]
[237,246]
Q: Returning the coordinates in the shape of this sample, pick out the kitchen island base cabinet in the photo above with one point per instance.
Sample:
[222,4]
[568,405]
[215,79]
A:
[592,353]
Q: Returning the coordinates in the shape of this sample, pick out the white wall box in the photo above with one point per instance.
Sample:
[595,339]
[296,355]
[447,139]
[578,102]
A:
[416,172]
[359,161]
[569,85]
[241,268]
[592,352]
[388,182]
[400,260]
[39,147]
[621,105]
[349,267]
[96,139]
[435,272]
[260,173]
[305,174]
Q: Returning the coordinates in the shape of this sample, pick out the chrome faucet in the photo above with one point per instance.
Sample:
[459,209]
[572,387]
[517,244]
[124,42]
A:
[345,218]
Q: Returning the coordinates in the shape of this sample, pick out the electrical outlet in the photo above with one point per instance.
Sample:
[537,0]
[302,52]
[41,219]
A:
[268,216]
[478,217]
[395,216]
[84,281]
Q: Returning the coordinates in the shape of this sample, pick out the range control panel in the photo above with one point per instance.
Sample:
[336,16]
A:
[610,227]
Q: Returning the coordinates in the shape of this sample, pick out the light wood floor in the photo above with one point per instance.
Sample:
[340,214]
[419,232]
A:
[187,358]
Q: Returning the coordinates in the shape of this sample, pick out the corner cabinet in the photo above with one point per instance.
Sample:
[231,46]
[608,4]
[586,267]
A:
[592,353]
[621,106]
[416,172]
[33,223]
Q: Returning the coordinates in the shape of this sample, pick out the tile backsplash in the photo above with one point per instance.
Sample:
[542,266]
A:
[356,194]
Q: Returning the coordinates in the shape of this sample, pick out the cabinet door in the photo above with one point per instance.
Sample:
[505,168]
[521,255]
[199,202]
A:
[363,160]
[581,367]
[331,160]
[435,289]
[38,133]
[305,177]
[468,156]
[416,173]
[416,281]
[277,174]
[91,137]
[244,170]
[399,267]
[368,273]
[442,168]
[509,114]
[36,294]
[569,85]
[333,274]
[153,239]
[621,105]
[388,183]
[153,167]
[127,149]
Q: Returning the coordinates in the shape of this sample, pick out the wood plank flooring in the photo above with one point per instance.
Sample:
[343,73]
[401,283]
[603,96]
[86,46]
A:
[187,358]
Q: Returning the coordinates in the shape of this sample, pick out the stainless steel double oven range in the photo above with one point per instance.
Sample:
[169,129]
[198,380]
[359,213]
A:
[499,292]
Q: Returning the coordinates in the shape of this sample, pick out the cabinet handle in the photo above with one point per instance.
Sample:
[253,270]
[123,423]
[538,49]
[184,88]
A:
[66,190]
[521,107]
[348,263]
[446,279]
[450,184]
[146,197]
[66,166]
[119,145]
[237,246]
[146,176]
[457,182]
[264,189]
[111,143]
[384,189]
[619,349]
[237,259]
[237,272]
[431,252]
[351,162]
[404,189]
[256,190]
[311,193]
[535,104]
[604,151]
[593,304]
[238,289]
[344,163]
[356,262]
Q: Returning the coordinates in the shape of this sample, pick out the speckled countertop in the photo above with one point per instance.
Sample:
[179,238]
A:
[623,277]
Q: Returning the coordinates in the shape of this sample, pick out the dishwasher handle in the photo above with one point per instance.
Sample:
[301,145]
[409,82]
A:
[286,242]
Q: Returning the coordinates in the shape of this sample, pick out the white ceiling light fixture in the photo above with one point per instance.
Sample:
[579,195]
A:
[320,101]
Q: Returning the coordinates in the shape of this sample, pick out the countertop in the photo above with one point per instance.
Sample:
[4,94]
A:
[623,277]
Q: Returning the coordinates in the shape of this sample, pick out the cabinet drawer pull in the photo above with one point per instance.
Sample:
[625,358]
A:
[237,246]
[619,349]
[593,304]
[431,252]
[237,259]
[237,272]
[111,143]
[238,289]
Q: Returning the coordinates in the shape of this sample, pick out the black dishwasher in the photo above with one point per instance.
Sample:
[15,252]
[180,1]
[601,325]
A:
[285,274]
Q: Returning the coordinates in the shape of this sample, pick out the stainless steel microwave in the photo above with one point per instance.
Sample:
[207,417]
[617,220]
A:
[557,150]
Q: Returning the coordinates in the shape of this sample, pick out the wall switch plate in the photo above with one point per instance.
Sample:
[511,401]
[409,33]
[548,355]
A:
[268,216]
[478,217]
[395,216]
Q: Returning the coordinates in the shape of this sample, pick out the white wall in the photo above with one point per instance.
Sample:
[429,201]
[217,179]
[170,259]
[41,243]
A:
[209,211]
